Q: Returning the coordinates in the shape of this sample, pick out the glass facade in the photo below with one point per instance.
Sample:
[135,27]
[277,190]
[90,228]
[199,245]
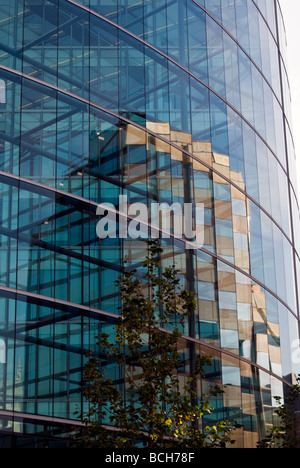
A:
[166,101]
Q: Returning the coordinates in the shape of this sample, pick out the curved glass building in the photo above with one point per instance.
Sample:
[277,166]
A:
[161,101]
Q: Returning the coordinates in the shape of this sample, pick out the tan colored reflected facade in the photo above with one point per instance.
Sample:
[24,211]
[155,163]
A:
[238,311]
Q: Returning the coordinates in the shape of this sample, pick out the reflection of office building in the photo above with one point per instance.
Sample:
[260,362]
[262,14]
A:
[183,106]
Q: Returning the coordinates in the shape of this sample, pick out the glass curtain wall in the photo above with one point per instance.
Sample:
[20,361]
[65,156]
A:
[165,101]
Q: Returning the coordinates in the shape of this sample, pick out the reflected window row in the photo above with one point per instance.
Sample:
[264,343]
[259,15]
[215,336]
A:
[89,57]
[49,246]
[233,227]
[45,350]
[79,152]
[48,363]
[165,24]
[49,137]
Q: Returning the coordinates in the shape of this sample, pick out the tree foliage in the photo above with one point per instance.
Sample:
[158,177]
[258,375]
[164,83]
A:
[157,406]
[283,435]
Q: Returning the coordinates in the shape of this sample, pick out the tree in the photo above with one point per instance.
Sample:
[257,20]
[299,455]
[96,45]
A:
[156,407]
[284,434]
